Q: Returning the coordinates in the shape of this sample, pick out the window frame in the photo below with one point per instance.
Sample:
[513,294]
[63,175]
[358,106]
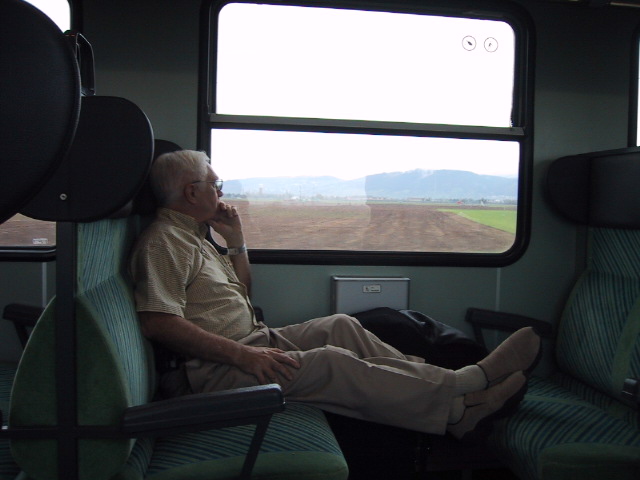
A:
[521,131]
[634,87]
[19,253]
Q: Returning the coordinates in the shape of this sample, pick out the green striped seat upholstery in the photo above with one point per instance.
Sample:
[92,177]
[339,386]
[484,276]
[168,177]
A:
[8,468]
[116,371]
[291,450]
[298,445]
[576,424]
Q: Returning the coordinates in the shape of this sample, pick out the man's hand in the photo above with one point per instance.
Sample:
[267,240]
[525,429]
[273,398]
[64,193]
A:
[228,224]
[266,363]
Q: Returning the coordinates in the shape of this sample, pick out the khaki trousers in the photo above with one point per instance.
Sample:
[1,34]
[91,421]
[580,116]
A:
[345,369]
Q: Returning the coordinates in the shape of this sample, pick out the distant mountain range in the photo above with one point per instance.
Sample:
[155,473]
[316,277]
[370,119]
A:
[414,184]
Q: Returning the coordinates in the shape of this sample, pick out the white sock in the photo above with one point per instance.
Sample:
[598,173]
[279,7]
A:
[470,379]
[457,410]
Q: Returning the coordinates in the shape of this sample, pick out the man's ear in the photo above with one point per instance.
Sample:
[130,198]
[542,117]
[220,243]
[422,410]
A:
[190,193]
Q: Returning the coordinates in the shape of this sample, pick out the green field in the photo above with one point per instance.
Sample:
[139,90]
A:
[504,220]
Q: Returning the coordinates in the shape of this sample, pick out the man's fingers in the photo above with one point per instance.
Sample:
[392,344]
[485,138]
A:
[282,357]
[283,364]
[268,364]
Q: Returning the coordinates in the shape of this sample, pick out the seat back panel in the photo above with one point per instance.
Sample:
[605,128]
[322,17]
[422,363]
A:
[604,308]
[100,402]
[103,248]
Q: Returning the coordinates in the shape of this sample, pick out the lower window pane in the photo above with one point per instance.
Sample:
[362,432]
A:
[21,231]
[318,191]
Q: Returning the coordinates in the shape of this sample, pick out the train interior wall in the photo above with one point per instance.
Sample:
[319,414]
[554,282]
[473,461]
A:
[147,52]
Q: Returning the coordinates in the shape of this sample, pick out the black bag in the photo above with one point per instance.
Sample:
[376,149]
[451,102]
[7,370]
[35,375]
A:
[414,333]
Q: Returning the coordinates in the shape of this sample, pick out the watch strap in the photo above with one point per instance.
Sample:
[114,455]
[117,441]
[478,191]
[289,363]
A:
[236,251]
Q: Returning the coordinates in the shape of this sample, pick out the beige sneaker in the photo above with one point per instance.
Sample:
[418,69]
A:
[520,352]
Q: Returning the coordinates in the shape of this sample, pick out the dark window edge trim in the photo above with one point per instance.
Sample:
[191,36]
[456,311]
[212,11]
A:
[247,122]
[634,71]
[507,11]
[326,257]
[27,254]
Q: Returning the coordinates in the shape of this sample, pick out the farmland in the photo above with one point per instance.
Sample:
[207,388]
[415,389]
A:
[377,226]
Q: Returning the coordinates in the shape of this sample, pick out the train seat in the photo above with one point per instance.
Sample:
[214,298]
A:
[23,317]
[580,423]
[123,432]
[8,469]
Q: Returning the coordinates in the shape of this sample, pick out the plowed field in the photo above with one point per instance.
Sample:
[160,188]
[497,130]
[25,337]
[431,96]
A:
[373,227]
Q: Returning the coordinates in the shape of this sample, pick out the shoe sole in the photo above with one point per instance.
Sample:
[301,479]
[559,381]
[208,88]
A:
[512,404]
[485,426]
[536,361]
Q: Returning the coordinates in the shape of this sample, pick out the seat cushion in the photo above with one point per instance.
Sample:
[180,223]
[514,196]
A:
[556,434]
[298,445]
[138,461]
[610,405]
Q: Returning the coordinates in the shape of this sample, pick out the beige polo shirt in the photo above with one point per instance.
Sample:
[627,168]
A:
[176,270]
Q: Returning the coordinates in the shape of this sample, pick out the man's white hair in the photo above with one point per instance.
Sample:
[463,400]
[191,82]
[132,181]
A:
[172,171]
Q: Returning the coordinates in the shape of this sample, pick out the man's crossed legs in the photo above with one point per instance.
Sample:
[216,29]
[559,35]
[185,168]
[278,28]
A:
[345,369]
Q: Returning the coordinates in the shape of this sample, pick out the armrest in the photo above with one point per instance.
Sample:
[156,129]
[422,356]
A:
[204,411]
[22,316]
[510,322]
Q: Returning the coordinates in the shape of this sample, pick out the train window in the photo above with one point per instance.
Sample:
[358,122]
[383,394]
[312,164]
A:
[370,137]
[21,236]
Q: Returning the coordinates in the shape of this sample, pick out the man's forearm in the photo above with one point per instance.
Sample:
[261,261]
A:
[242,268]
[185,338]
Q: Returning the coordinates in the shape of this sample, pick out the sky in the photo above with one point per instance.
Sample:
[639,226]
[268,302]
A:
[236,154]
[329,63]
[57,10]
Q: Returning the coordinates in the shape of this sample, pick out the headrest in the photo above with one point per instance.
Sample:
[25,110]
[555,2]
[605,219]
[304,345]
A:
[40,98]
[597,189]
[145,202]
[106,166]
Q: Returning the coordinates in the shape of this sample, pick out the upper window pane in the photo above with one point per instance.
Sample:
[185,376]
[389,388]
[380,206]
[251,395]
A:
[290,61]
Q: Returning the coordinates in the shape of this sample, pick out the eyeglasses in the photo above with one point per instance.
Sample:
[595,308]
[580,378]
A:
[216,183]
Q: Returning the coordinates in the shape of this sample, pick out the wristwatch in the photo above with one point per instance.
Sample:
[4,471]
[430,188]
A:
[236,251]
